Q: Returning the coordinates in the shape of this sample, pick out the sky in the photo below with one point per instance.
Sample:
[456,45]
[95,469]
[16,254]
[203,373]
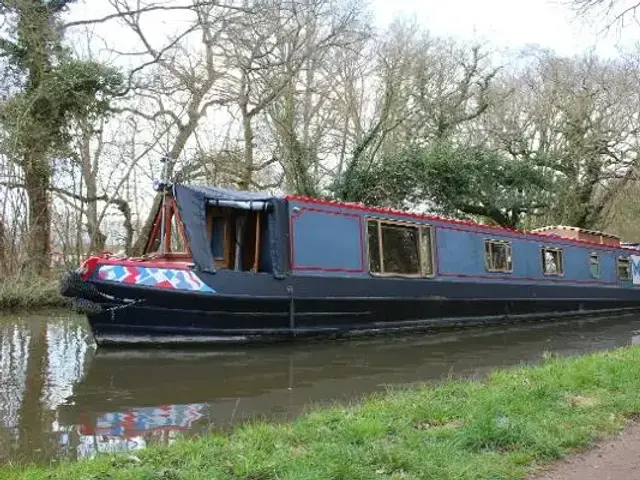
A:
[512,23]
[503,24]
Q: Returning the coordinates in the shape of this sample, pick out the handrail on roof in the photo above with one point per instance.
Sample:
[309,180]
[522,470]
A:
[254,205]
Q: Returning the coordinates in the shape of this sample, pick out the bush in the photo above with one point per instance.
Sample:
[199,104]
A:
[30,291]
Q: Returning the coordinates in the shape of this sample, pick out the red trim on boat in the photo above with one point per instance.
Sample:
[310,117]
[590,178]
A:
[87,267]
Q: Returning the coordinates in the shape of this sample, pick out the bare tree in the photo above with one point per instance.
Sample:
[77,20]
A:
[179,89]
[428,90]
[577,119]
[280,56]
[372,120]
[618,13]
[249,53]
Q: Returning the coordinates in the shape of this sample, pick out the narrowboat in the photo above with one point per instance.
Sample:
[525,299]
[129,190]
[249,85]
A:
[231,266]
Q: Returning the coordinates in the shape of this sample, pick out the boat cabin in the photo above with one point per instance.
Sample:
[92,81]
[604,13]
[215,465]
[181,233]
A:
[220,229]
[236,233]
[333,238]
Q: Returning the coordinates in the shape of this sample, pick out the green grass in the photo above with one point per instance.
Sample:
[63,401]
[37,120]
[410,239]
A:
[498,428]
[29,292]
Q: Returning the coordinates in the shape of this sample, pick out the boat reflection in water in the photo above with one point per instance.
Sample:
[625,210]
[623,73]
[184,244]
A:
[129,399]
[139,421]
[131,429]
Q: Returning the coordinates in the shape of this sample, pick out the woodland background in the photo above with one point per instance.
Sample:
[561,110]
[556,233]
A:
[299,96]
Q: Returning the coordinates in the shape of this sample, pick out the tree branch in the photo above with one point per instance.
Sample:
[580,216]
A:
[148,9]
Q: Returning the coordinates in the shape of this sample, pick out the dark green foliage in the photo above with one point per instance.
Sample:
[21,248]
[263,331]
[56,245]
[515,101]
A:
[455,180]
[71,90]
[74,89]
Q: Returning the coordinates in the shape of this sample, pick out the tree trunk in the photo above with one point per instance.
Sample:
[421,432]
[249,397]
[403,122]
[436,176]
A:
[3,246]
[144,233]
[124,208]
[246,176]
[295,155]
[37,183]
[97,239]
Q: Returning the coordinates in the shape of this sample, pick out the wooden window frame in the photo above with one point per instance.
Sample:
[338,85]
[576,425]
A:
[256,253]
[224,217]
[421,247]
[544,248]
[624,259]
[487,260]
[597,257]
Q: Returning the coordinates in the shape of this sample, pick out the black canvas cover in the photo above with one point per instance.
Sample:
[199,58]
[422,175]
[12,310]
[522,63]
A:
[192,203]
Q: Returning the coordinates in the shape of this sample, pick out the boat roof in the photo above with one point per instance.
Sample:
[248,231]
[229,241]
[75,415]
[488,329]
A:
[218,193]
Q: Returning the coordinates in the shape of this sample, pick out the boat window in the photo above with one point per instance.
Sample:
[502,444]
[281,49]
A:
[239,239]
[221,233]
[552,263]
[397,248]
[594,265]
[624,268]
[400,249]
[218,236]
[497,256]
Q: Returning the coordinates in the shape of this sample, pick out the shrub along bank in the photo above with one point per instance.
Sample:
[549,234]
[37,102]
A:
[29,292]
[497,428]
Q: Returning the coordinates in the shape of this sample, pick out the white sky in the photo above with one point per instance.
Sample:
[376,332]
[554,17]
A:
[511,23]
[504,24]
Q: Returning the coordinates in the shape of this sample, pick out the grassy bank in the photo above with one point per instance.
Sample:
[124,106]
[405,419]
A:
[497,428]
[28,292]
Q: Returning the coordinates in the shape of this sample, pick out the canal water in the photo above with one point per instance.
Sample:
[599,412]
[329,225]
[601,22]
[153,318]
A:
[60,397]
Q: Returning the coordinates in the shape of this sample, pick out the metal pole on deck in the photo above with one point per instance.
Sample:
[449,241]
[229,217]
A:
[162,185]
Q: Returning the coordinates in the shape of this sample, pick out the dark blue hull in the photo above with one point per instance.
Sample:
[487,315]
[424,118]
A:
[258,308]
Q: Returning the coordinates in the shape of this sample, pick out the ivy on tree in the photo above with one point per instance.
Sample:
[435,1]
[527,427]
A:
[455,180]
[51,90]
